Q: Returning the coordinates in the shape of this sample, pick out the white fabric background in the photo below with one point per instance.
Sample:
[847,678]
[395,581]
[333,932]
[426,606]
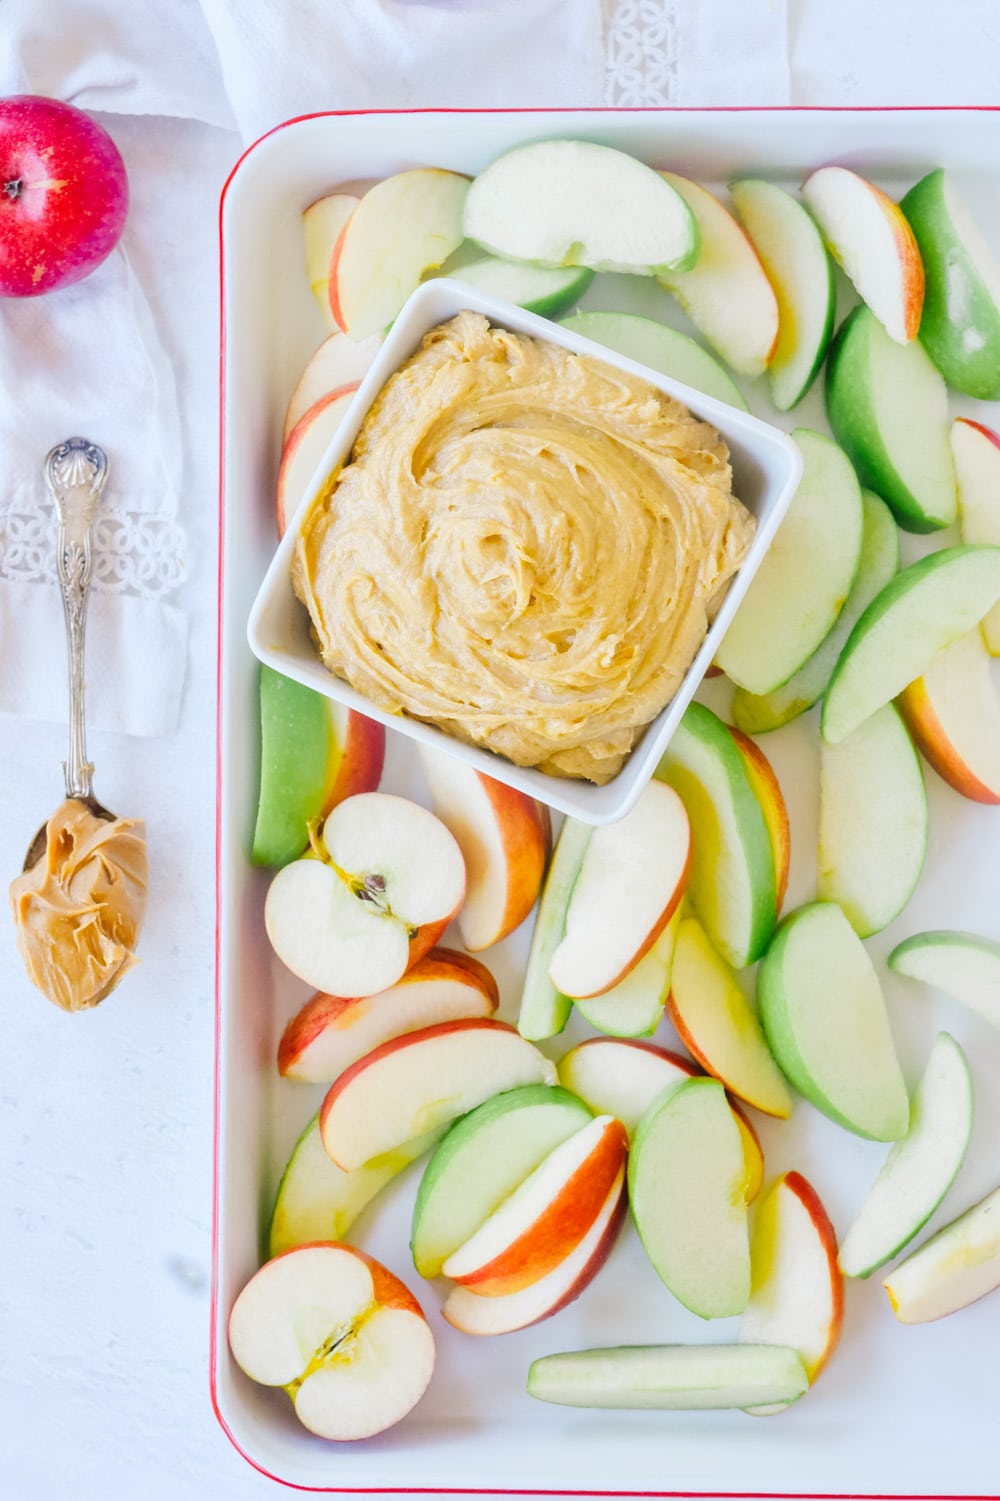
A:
[105,1120]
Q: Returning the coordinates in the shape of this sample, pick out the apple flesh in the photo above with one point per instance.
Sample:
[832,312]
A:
[660,347]
[322,223]
[683,1378]
[63,195]
[767,790]
[344,1337]
[544,1010]
[976,450]
[953,713]
[634,1007]
[956,1267]
[304,449]
[337,364]
[963,965]
[549,291]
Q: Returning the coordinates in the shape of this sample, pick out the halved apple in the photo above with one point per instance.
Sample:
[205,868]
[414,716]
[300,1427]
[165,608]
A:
[344,1337]
[426,1079]
[660,347]
[772,804]
[805,576]
[956,1267]
[726,293]
[976,449]
[403,226]
[953,714]
[920,1168]
[870,238]
[388,880]
[574,203]
[339,362]
[798,267]
[963,965]
[306,444]
[544,1010]
[503,844]
[322,222]
[634,1007]
[631,878]
[331,1032]
[919,613]
[679,1377]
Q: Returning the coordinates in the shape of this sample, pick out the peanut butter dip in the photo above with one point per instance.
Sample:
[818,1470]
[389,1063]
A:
[525,548]
[79,909]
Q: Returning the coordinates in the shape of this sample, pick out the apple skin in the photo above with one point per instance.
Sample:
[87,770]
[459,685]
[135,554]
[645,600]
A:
[932,741]
[772,805]
[63,195]
[328,411]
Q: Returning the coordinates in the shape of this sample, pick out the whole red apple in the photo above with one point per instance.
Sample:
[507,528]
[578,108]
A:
[63,195]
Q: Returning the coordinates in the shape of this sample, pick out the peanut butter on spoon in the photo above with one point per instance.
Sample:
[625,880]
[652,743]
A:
[80,901]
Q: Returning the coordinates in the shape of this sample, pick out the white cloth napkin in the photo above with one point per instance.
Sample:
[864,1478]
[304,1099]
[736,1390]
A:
[697,52]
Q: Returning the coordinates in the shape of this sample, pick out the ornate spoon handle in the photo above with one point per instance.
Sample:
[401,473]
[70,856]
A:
[76,472]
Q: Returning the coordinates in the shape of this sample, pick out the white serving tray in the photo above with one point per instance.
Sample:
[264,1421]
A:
[900,1411]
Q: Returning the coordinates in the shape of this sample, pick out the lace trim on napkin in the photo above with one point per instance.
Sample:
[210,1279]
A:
[134,553]
[640,52]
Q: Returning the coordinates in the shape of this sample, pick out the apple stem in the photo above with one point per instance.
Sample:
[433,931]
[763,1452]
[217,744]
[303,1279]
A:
[14,188]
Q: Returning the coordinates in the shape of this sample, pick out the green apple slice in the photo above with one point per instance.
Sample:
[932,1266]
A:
[718,1025]
[679,1377]
[920,612]
[805,577]
[732,884]
[799,268]
[660,347]
[686,1182]
[976,449]
[958,1265]
[298,755]
[960,326]
[920,1169]
[574,203]
[634,1007]
[872,822]
[545,1010]
[755,714]
[547,290]
[963,965]
[826,1022]
[888,408]
[317,1200]
[481,1161]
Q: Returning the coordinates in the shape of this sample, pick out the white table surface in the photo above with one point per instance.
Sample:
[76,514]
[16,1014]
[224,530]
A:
[106,1119]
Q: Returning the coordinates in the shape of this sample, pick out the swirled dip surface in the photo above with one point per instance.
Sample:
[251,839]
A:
[525,548]
[79,909]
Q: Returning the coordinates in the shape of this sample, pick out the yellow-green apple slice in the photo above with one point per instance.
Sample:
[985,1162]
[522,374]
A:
[718,1025]
[317,1200]
[920,1168]
[322,222]
[871,240]
[872,822]
[726,293]
[313,754]
[791,249]
[546,1216]
[660,347]
[733,883]
[758,713]
[631,878]
[343,1336]
[482,1159]
[797,1290]
[634,1007]
[573,203]
[339,362]
[687,1181]
[768,792]
[805,576]
[956,1267]
[826,1022]
[888,407]
[963,965]
[953,714]
[331,1032]
[960,327]
[304,448]
[544,1010]
[976,450]
[473,1314]
[622,1077]
[549,291]
[917,615]
[503,843]
[423,1080]
[403,227]
[389,879]
[684,1378]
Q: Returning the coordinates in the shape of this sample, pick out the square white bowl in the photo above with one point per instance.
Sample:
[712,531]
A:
[766,465]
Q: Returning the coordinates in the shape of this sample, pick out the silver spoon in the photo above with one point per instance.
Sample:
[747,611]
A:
[76,472]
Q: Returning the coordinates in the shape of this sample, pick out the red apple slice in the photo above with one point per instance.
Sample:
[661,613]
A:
[869,237]
[760,774]
[977,469]
[306,445]
[953,713]
[402,227]
[473,1314]
[415,1083]
[322,222]
[546,1216]
[345,1338]
[331,1032]
[503,842]
[338,362]
[632,877]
